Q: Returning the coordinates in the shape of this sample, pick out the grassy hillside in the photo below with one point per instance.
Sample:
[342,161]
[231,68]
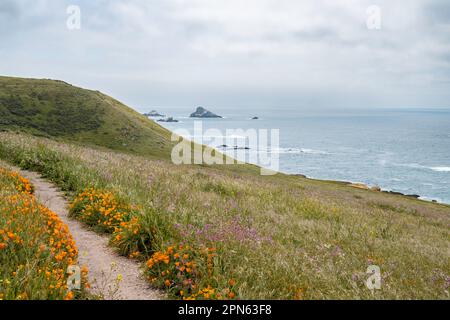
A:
[56,109]
[220,231]
[277,237]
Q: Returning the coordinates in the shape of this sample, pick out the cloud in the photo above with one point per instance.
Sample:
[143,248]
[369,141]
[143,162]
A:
[179,52]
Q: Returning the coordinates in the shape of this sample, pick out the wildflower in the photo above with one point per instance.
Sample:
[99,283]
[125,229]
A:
[69,296]
[33,227]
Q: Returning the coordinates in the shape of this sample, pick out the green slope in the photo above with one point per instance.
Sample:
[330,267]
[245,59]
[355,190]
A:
[59,110]
[323,234]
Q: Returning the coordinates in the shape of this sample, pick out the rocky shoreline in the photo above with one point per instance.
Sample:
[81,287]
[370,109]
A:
[363,186]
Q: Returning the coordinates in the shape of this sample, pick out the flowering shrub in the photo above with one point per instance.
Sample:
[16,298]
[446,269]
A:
[134,238]
[36,247]
[210,293]
[181,270]
[100,209]
[20,183]
[185,272]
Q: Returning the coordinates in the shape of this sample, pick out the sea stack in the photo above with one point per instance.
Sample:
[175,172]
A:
[153,113]
[203,113]
[169,119]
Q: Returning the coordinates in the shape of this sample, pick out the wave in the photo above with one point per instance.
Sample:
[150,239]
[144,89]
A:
[413,166]
[418,166]
[312,151]
[440,169]
[276,150]
[292,151]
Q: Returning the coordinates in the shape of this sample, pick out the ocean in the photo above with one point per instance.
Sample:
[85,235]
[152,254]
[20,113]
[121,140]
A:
[402,150]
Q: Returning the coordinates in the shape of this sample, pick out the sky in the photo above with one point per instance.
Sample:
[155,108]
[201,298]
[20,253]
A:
[239,53]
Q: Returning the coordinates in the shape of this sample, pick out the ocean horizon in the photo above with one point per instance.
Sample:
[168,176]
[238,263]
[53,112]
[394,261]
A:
[400,150]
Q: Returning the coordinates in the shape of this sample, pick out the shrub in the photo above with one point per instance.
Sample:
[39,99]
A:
[36,247]
[100,209]
[132,233]
[135,238]
[182,270]
[21,184]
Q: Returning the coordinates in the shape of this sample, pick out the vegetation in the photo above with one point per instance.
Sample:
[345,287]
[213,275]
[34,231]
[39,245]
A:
[202,232]
[56,109]
[36,248]
[276,237]
[181,269]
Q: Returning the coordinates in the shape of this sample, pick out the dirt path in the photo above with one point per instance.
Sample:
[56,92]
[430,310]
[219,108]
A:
[105,266]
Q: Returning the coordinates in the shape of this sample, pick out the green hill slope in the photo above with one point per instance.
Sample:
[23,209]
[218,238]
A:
[277,237]
[59,110]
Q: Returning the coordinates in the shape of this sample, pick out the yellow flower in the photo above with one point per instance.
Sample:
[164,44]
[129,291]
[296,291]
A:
[69,296]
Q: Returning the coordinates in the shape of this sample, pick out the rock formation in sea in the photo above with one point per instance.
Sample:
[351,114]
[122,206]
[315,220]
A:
[153,113]
[170,119]
[203,113]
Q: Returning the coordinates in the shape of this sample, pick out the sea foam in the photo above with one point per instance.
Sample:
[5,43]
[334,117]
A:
[441,169]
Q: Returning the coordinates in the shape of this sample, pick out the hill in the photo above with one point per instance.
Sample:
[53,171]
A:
[250,236]
[59,110]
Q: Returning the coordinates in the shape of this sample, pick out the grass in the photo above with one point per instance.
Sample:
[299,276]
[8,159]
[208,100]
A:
[59,110]
[36,248]
[275,237]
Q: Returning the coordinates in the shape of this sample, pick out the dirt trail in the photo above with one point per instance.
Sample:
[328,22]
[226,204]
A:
[105,266]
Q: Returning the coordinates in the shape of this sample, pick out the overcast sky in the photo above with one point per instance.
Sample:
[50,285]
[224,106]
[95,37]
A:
[244,53]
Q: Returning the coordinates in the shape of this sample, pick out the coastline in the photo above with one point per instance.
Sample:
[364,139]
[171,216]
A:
[350,183]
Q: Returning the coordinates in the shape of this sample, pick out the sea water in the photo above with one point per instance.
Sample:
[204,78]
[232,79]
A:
[402,150]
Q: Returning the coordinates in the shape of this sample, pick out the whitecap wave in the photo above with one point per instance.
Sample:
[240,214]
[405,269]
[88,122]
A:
[418,166]
[312,151]
[413,166]
[274,150]
[294,151]
[440,169]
